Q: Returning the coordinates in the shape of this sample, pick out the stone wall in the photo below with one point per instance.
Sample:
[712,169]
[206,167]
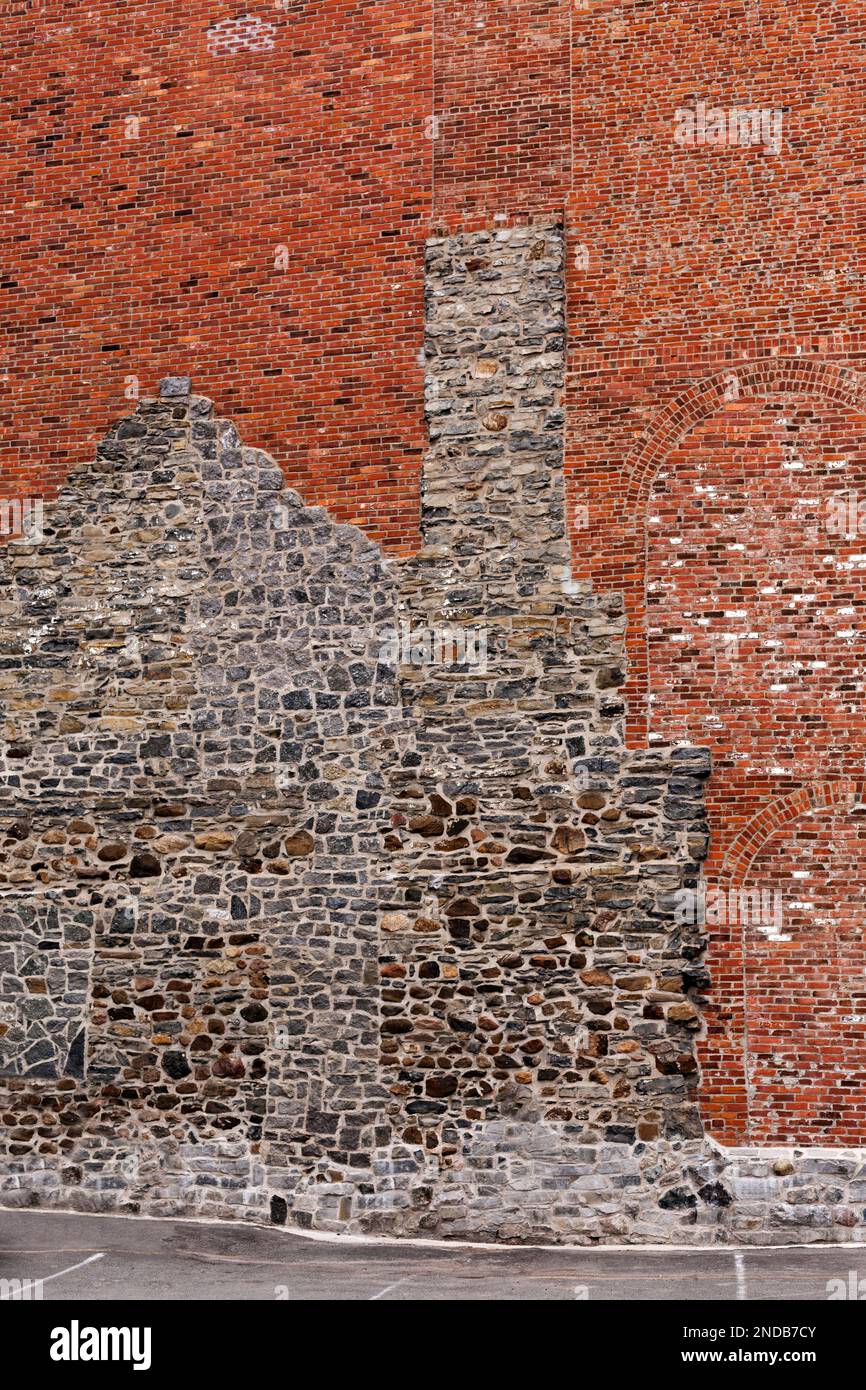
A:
[715,394]
[192,706]
[297,923]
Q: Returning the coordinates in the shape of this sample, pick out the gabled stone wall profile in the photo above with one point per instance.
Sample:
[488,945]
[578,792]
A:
[307,915]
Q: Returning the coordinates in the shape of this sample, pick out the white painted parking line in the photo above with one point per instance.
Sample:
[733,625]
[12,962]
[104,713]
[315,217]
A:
[740,1266]
[382,1292]
[81,1263]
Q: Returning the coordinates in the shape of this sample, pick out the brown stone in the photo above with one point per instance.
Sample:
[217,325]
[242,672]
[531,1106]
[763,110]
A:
[426,825]
[228,1067]
[682,1013]
[144,866]
[214,840]
[299,844]
[463,907]
[569,839]
[426,925]
[634,983]
[596,977]
[397,1025]
[497,420]
[527,854]
[440,1086]
[111,852]
[396,921]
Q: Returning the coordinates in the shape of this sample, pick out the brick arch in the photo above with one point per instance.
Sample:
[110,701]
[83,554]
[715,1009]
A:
[763,377]
[757,981]
[790,976]
[778,814]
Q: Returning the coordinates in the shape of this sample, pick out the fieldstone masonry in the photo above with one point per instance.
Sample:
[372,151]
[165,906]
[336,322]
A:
[289,932]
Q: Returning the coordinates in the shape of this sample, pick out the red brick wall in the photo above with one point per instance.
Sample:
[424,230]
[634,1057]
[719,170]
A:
[354,131]
[702,261]
[756,608]
[150,255]
[804,1034]
[503,147]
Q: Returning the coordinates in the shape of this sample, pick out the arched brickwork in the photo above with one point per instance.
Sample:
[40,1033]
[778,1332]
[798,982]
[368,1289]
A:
[623,566]
[768,376]
[778,709]
[748,843]
[786,1039]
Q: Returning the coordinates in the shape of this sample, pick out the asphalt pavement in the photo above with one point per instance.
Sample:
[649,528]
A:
[78,1257]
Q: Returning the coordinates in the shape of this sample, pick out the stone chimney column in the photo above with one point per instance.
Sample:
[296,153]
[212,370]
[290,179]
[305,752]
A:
[492,492]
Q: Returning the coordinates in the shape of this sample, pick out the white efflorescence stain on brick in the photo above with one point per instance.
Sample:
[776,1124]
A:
[246,34]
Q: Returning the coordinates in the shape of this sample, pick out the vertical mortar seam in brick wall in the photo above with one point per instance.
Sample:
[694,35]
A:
[570,180]
[434,128]
[646,713]
[747,1063]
